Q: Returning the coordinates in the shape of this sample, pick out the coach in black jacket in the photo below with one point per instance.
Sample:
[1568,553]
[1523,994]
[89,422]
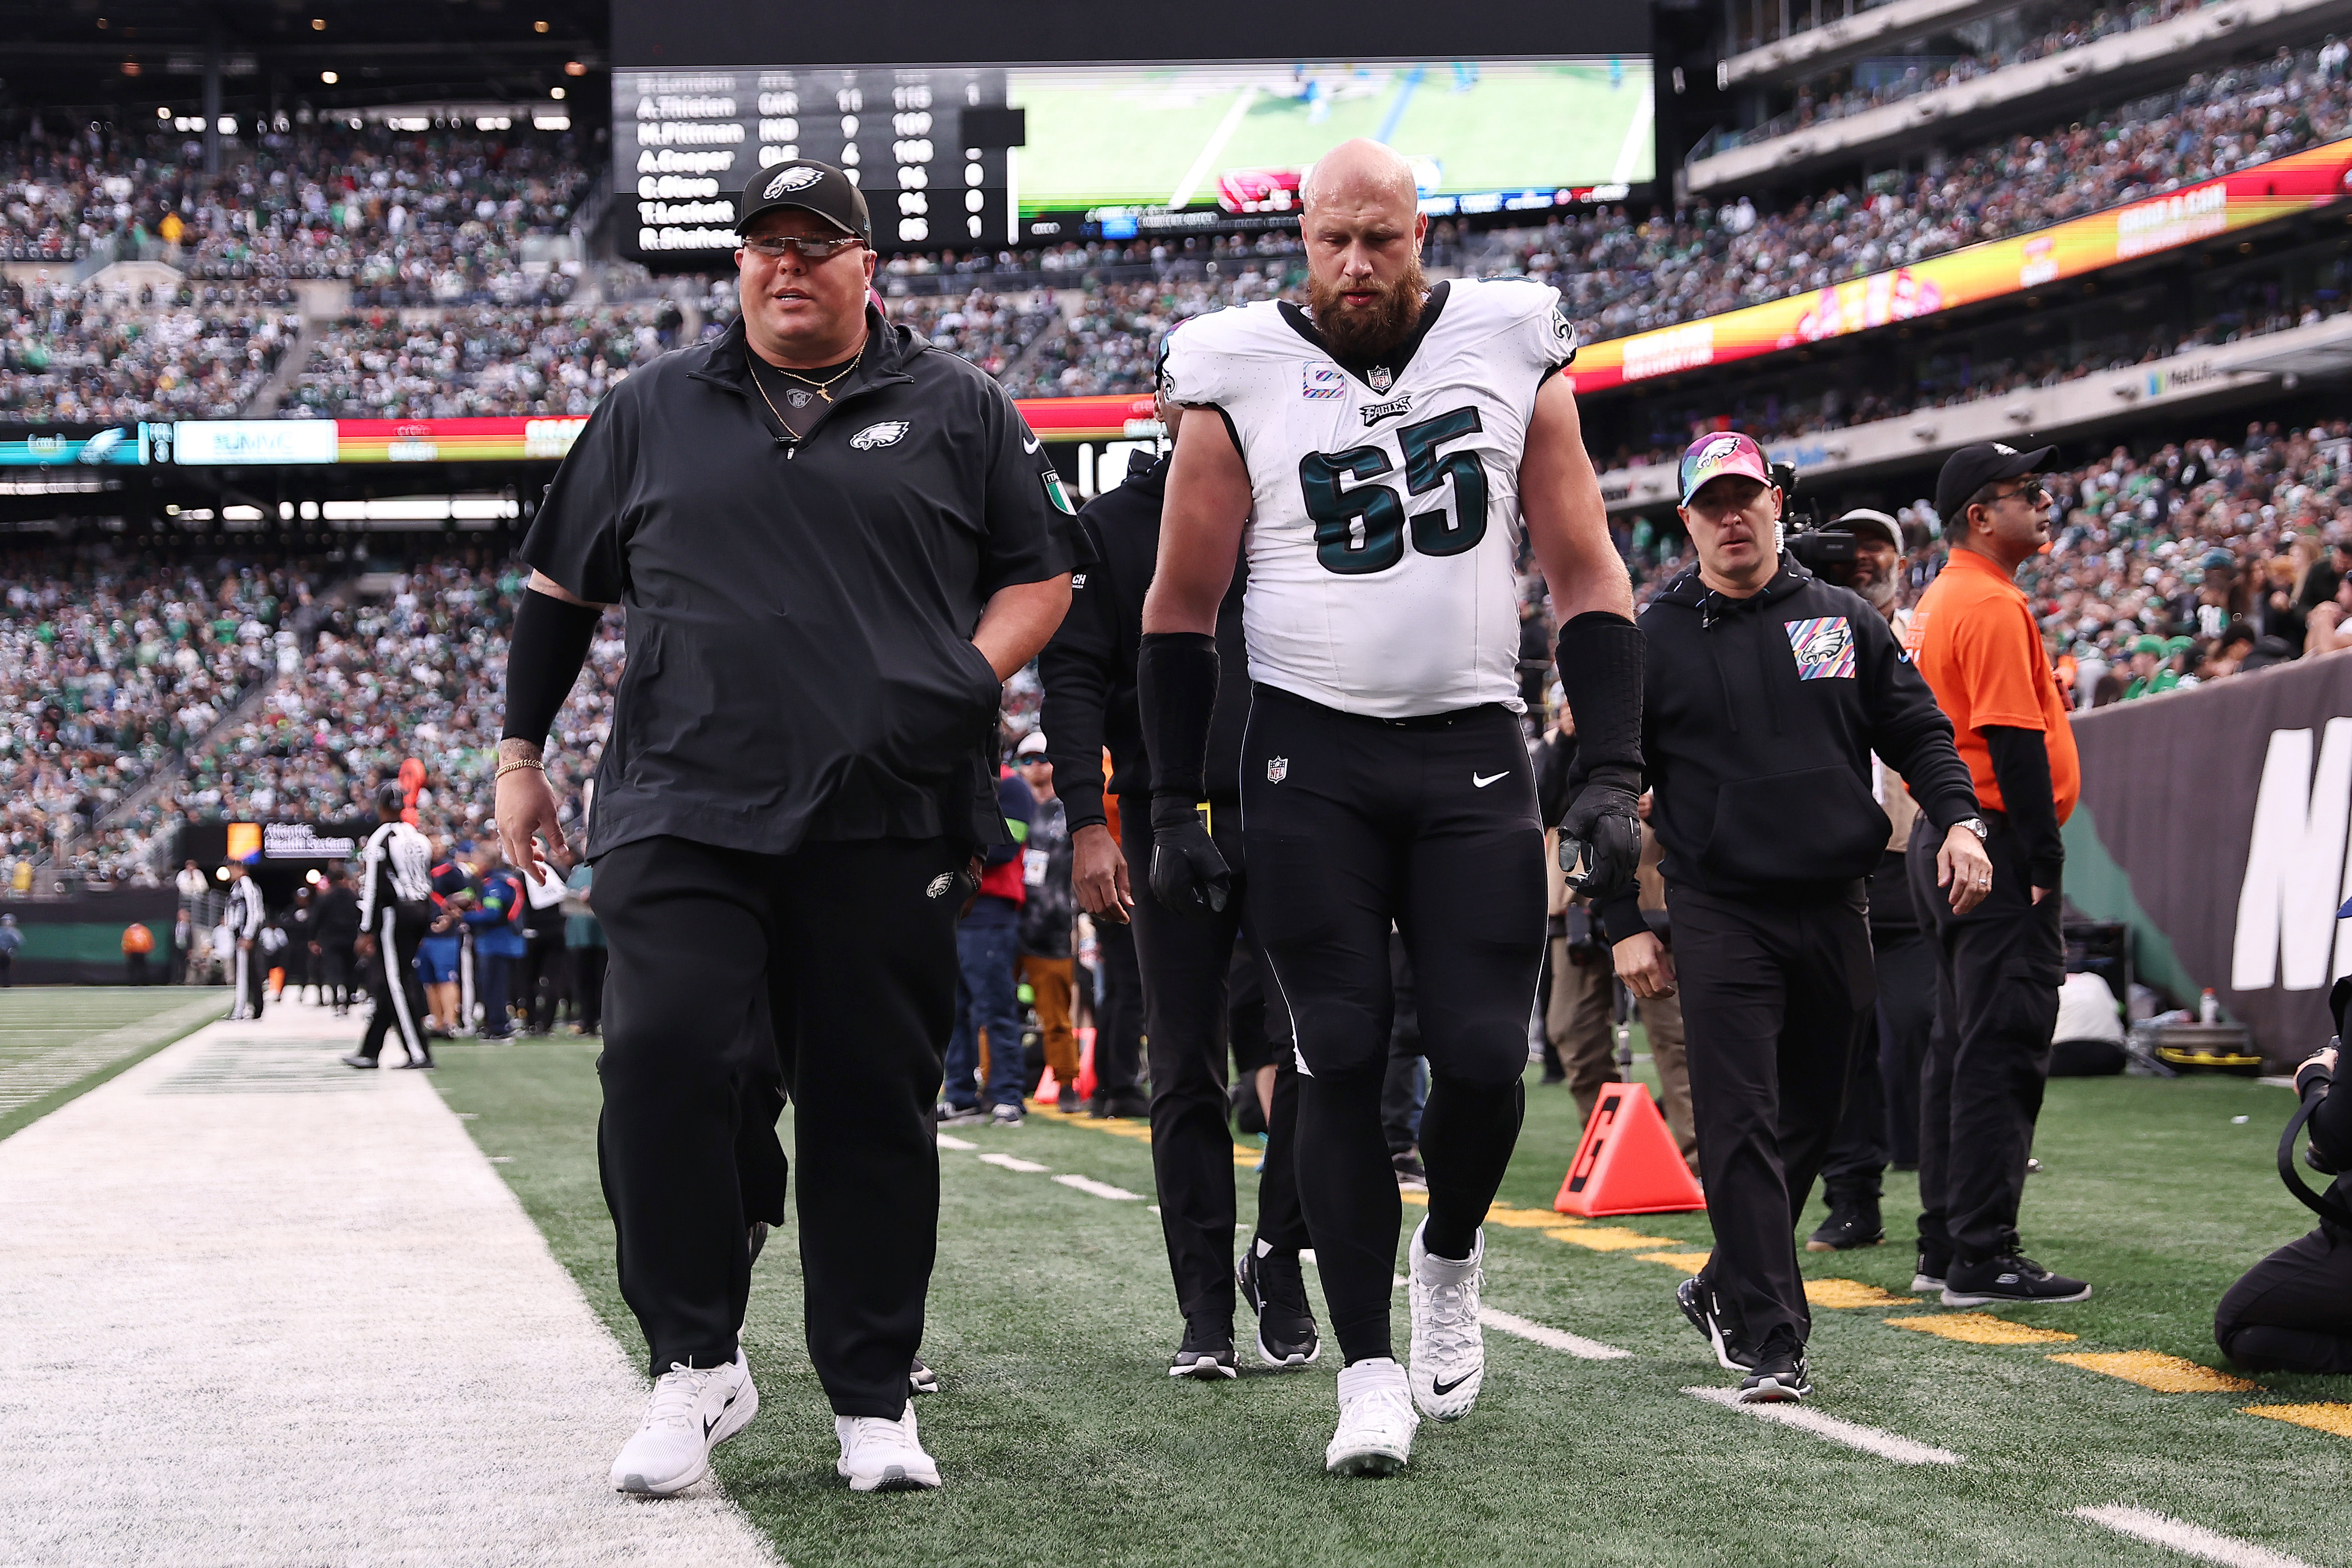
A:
[1769,691]
[1088,673]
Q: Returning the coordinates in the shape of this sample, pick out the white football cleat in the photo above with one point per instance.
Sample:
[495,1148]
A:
[879,1454]
[1376,1421]
[1449,1349]
[694,1410]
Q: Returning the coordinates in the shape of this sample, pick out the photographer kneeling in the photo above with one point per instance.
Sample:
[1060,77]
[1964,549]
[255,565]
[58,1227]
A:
[2293,1310]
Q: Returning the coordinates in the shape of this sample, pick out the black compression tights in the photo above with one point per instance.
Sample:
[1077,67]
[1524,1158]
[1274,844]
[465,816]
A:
[1347,1188]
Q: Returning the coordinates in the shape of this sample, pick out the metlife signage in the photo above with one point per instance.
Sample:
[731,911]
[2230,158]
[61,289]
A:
[223,443]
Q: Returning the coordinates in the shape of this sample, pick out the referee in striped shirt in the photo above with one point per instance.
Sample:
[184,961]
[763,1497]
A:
[246,915]
[395,906]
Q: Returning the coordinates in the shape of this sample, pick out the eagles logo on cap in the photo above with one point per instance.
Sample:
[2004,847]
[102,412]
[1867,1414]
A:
[807,186]
[791,180]
[1713,457]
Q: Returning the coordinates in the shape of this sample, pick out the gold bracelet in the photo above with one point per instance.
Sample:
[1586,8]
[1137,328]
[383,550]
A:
[506,768]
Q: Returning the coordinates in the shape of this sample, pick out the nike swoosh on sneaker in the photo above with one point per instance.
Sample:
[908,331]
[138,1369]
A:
[1440,1388]
[1478,782]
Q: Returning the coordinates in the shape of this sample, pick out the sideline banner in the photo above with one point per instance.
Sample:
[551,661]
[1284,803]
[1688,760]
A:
[2280,188]
[2213,821]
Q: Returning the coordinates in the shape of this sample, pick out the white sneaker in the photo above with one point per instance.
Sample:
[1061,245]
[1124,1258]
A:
[1449,1349]
[694,1410]
[1376,1421]
[883,1456]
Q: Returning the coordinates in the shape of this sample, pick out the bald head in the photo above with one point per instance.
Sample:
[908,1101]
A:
[1360,173]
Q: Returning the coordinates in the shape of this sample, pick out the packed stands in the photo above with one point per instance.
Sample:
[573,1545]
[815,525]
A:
[483,360]
[79,355]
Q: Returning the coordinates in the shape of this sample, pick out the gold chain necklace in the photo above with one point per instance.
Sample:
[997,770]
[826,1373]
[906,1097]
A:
[819,387]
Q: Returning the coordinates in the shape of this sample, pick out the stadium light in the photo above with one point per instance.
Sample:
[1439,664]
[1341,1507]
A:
[328,77]
[539,26]
[227,125]
[555,92]
[573,67]
[161,113]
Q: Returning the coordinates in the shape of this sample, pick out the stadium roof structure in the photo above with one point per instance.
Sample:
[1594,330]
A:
[109,59]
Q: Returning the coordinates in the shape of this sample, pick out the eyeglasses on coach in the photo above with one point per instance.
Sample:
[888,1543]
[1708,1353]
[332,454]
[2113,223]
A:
[808,250]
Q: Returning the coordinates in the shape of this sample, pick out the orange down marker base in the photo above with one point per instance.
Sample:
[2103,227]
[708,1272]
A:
[1627,1162]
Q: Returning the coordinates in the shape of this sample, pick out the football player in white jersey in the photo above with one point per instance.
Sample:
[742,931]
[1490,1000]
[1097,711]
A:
[1384,452]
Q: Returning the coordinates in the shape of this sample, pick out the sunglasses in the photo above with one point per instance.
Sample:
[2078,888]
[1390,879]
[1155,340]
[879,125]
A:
[807,250]
[2031,492]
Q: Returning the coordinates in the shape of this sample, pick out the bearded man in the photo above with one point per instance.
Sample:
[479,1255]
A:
[1381,453]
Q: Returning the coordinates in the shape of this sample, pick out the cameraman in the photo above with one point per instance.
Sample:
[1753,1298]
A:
[1769,690]
[2293,1310]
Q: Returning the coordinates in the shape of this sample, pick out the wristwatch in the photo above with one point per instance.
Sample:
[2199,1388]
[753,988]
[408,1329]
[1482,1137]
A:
[1975,824]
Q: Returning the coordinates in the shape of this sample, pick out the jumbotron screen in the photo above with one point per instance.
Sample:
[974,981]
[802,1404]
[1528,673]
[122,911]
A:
[981,155]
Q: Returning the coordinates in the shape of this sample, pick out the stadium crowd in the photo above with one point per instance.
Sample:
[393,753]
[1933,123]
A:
[76,354]
[479,360]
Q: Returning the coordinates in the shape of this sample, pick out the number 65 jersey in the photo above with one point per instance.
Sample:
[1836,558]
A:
[1385,504]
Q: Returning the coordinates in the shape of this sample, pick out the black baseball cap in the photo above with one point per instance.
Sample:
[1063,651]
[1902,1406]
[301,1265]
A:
[812,186]
[1971,468]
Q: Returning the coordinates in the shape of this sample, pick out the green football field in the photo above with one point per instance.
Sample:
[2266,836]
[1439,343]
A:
[1063,1441]
[1162,136]
[60,1041]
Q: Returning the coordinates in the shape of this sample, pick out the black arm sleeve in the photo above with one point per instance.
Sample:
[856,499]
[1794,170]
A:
[1600,671]
[1074,668]
[544,659]
[1176,680]
[1910,730]
[2021,765]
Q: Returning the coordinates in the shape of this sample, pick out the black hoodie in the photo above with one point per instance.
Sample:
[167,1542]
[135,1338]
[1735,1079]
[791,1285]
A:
[1761,716]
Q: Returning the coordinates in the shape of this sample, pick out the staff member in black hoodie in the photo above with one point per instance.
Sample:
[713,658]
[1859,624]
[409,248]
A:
[1088,673]
[1769,690]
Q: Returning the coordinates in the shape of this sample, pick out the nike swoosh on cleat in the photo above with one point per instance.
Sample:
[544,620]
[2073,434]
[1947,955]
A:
[1478,782]
[1442,1389]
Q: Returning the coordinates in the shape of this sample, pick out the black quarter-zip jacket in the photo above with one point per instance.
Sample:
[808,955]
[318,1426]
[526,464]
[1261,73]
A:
[1088,669]
[1759,718]
[800,612]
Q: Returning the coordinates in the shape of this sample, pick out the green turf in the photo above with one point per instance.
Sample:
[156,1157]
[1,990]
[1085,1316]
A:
[1064,1442]
[100,1029]
[1130,135]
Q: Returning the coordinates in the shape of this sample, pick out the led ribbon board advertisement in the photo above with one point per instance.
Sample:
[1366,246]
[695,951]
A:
[43,447]
[2280,188]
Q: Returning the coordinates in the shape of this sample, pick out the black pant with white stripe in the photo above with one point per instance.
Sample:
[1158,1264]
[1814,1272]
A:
[392,980]
[1354,824]
[251,972]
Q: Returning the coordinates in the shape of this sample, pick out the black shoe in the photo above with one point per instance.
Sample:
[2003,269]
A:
[425,1062]
[2008,1279]
[1270,1282]
[1935,1262]
[1852,1222]
[1696,1299]
[1206,1353]
[921,1379]
[1779,1378]
[1128,1103]
[759,1237]
[1410,1176]
[958,1115]
[356,1060]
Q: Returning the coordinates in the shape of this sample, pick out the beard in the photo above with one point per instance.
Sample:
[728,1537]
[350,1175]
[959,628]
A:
[1363,332]
[1878,593]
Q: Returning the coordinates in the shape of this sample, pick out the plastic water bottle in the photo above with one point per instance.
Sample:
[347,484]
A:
[2209,1009]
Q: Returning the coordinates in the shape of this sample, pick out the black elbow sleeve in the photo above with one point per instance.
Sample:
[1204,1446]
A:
[544,659]
[1601,670]
[1176,683]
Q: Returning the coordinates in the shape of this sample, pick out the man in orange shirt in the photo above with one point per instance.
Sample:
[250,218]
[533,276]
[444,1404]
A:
[1998,965]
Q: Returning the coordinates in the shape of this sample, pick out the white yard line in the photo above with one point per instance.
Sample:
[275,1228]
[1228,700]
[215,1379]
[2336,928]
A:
[948,1142]
[1210,149]
[1869,1439]
[1629,152]
[1007,1162]
[2190,1540]
[1099,1189]
[1551,1338]
[258,1308]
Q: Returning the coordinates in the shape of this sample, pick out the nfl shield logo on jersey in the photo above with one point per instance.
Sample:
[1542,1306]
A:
[1276,769]
[1381,378]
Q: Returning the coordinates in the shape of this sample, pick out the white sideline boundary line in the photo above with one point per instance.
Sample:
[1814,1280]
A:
[1629,152]
[948,1142]
[1010,1163]
[2190,1540]
[1099,1189]
[1869,1439]
[1183,196]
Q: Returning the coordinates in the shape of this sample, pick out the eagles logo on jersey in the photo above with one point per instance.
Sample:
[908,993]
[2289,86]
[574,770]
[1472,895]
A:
[1385,508]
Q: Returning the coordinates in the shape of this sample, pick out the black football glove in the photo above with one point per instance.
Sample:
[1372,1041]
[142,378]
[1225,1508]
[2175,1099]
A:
[1188,873]
[1601,836]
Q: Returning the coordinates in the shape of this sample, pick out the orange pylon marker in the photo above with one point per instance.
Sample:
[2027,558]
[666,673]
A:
[1627,1162]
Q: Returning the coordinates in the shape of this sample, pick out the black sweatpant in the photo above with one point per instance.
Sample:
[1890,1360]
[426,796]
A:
[1997,969]
[2293,1310]
[539,978]
[1187,958]
[1777,1000]
[1882,1107]
[1118,1022]
[588,988]
[828,973]
[335,962]
[1354,824]
[394,982]
[251,970]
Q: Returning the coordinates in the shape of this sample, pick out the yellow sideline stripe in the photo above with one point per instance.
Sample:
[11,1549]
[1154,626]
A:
[1850,1293]
[1980,1329]
[2164,1373]
[2333,1418]
[1612,1239]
